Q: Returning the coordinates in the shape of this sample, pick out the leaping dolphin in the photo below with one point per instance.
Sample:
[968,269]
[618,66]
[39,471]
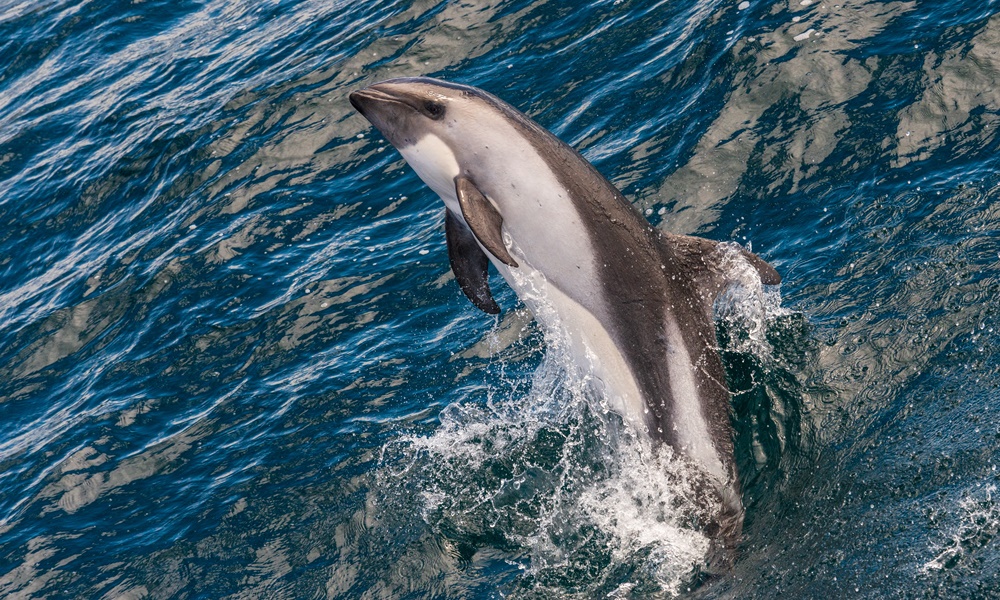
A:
[634,304]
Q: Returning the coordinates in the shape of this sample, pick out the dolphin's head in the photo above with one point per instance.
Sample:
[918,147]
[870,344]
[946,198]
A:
[436,125]
[410,108]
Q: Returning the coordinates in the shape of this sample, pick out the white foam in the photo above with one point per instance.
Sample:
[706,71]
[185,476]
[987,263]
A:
[746,306]
[648,507]
[978,522]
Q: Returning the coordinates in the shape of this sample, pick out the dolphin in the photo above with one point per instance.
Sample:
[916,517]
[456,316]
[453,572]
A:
[632,304]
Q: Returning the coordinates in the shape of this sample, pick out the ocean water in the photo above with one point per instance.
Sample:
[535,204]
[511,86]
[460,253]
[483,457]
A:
[234,362]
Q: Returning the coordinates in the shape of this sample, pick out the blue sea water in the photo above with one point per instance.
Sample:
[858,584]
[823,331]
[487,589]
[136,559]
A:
[234,362]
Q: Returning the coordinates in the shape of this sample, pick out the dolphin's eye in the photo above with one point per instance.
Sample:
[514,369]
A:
[434,110]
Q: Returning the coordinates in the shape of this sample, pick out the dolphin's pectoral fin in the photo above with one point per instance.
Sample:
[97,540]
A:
[469,263]
[701,258]
[483,218]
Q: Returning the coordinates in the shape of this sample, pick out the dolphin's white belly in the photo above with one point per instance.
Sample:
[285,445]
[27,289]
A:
[570,327]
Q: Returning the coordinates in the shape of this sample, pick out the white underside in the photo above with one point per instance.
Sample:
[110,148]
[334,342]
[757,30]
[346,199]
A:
[570,328]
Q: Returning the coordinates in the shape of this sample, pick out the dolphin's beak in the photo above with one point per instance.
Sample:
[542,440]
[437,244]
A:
[357,100]
[360,99]
[368,100]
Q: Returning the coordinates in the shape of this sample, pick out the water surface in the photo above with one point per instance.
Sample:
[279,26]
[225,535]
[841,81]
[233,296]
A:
[234,362]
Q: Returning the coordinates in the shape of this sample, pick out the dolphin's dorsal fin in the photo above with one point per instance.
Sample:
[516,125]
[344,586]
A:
[703,259]
[469,263]
[483,218]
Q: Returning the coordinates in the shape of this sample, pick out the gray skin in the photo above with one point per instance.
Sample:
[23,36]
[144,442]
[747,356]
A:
[636,298]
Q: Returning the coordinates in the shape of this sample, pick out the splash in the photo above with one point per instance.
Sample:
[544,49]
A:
[746,307]
[978,525]
[558,483]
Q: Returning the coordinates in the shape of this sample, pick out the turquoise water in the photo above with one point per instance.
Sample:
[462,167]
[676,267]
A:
[234,363]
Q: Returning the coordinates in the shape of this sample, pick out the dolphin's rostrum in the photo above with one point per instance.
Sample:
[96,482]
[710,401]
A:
[634,303]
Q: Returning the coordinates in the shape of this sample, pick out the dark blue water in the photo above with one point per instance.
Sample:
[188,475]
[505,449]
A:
[234,362]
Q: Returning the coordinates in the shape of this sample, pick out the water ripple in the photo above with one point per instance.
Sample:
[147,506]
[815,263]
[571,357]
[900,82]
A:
[233,359]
